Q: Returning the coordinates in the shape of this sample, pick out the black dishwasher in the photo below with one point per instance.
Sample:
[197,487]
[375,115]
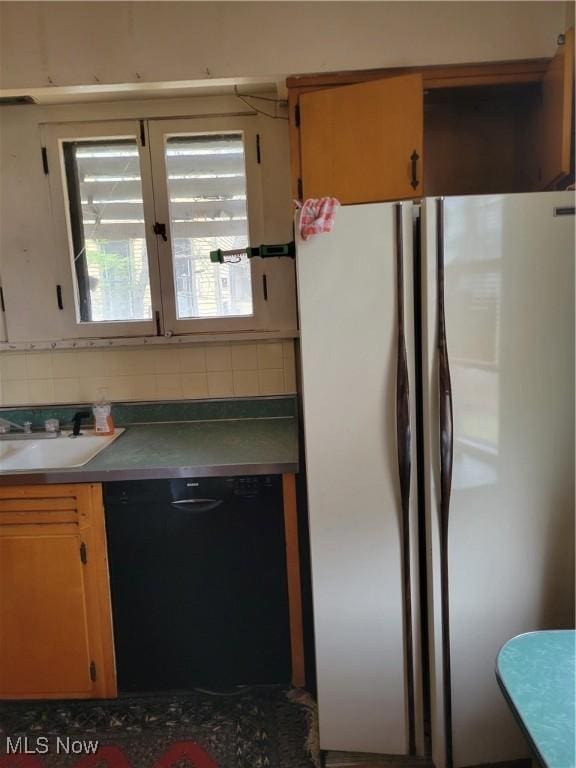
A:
[198,582]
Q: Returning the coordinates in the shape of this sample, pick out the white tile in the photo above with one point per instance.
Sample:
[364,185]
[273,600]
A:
[192,359]
[218,358]
[143,387]
[271,382]
[246,383]
[141,361]
[90,363]
[41,391]
[13,366]
[39,365]
[116,362]
[270,355]
[220,384]
[288,350]
[15,392]
[194,384]
[289,379]
[119,388]
[166,360]
[65,364]
[168,386]
[66,390]
[245,357]
[91,389]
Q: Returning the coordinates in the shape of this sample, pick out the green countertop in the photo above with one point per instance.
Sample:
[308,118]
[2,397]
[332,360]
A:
[222,447]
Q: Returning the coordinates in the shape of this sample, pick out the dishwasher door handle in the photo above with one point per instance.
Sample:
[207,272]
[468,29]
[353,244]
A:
[197,505]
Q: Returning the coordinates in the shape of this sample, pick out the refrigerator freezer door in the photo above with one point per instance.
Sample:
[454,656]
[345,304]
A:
[509,295]
[347,295]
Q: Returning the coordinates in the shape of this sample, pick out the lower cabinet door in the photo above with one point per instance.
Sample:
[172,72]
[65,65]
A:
[55,620]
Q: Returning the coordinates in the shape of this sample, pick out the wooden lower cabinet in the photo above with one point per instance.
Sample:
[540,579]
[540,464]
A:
[56,636]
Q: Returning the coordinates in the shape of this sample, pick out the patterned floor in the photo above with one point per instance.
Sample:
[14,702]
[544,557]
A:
[252,728]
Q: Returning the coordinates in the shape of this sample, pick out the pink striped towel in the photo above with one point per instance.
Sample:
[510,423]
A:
[317,215]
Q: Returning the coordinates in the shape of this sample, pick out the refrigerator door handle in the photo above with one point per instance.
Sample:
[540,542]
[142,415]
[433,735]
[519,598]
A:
[403,442]
[446,458]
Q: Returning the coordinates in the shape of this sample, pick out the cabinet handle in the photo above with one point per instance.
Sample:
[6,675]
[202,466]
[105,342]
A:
[414,157]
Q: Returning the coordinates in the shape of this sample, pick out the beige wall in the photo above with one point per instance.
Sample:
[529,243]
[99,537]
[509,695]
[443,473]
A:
[72,43]
[160,373]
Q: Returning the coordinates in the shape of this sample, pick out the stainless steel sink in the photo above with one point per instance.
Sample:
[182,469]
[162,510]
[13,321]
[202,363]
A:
[62,452]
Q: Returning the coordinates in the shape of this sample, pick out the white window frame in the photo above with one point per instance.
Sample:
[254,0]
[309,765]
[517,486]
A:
[271,313]
[56,136]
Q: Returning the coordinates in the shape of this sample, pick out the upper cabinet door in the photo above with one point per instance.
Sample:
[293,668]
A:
[363,143]
[557,106]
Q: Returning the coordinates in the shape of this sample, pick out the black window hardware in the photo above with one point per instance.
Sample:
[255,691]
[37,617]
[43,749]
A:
[160,229]
[45,160]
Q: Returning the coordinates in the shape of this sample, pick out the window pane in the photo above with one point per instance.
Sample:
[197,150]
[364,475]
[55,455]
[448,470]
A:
[108,231]
[207,191]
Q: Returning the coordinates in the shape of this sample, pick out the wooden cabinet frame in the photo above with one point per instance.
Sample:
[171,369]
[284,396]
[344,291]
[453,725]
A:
[60,530]
[434,77]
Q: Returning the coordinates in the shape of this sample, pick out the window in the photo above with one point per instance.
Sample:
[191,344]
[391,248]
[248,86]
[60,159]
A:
[107,230]
[139,206]
[208,210]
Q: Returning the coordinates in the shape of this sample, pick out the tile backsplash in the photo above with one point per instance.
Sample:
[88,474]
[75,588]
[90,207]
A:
[232,369]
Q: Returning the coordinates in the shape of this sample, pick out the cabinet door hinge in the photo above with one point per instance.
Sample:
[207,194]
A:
[142,134]
[83,553]
[93,671]
[45,161]
[300,193]
[258,157]
[297,115]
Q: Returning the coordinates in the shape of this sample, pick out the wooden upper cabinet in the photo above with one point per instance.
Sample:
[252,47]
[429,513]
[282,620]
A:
[55,617]
[556,125]
[363,143]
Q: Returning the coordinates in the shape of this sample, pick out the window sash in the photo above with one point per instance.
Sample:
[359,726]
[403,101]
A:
[159,132]
[73,326]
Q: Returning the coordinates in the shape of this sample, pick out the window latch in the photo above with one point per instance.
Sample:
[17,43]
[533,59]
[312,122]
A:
[160,229]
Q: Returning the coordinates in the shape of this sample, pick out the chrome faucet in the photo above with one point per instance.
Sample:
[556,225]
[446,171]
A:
[6,425]
[24,431]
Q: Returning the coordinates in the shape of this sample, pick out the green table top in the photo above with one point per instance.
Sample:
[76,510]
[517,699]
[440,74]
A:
[537,673]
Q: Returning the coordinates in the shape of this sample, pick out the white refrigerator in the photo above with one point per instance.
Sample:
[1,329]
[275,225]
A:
[437,349]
